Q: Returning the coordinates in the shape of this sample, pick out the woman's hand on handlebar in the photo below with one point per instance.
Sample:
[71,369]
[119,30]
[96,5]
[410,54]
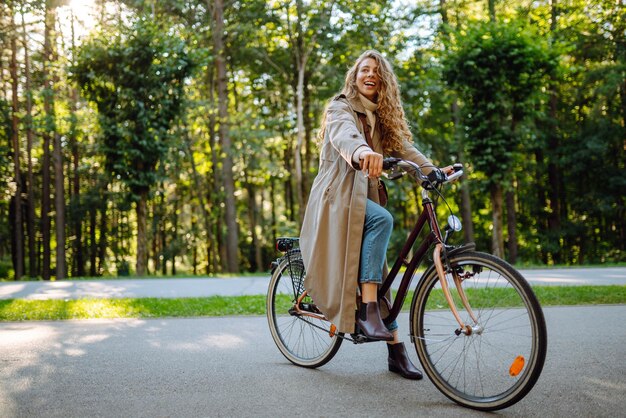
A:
[371,164]
[448,170]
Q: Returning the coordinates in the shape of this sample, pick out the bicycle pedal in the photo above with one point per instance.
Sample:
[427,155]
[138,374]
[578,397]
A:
[360,338]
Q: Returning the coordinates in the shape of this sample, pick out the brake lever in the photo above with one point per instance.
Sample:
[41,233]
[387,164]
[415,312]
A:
[394,173]
[392,170]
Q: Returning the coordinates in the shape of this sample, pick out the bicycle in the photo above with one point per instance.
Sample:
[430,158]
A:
[476,325]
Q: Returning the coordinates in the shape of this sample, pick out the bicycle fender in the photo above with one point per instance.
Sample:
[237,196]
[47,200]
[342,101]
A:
[274,265]
[470,246]
[451,252]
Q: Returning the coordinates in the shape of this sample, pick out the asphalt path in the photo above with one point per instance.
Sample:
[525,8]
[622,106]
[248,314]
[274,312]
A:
[230,367]
[199,287]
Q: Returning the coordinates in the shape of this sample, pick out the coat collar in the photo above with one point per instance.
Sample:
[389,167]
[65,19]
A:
[355,103]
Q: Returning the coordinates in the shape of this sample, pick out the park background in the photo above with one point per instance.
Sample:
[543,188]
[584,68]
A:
[169,137]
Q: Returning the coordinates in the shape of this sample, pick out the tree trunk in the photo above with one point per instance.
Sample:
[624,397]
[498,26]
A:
[308,129]
[216,251]
[232,235]
[174,248]
[18,249]
[273,210]
[93,245]
[288,183]
[103,243]
[49,131]
[162,233]
[511,221]
[59,203]
[538,211]
[59,191]
[620,56]
[200,196]
[255,255]
[28,124]
[302,51]
[300,139]
[554,193]
[79,255]
[77,221]
[157,220]
[195,260]
[497,242]
[142,243]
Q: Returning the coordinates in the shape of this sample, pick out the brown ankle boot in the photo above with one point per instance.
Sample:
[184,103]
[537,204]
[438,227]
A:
[399,362]
[371,323]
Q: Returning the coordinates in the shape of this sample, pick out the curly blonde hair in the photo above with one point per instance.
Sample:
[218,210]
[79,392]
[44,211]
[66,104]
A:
[390,114]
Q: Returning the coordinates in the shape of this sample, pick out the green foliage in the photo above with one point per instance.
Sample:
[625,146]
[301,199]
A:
[136,79]
[6,270]
[497,68]
[522,114]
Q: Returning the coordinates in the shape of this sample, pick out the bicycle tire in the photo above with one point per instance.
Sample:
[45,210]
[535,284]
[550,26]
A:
[303,340]
[496,367]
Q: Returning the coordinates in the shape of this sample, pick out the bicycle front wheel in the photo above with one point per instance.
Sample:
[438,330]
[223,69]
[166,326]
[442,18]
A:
[497,362]
[304,340]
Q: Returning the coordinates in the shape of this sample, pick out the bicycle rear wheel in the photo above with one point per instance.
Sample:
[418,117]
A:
[499,362]
[304,340]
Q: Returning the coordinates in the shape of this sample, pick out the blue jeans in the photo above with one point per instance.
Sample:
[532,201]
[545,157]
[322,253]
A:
[376,234]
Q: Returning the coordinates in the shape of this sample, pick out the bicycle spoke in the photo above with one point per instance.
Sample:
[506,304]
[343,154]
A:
[475,369]
[303,340]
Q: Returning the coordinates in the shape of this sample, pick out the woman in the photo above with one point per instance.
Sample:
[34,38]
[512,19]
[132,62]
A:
[345,231]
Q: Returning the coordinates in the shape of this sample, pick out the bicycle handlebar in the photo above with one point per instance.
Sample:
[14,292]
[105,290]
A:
[397,168]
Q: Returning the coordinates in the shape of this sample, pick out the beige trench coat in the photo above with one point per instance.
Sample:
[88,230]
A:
[333,224]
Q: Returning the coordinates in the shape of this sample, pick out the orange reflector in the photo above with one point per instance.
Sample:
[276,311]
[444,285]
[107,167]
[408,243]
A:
[517,366]
[333,330]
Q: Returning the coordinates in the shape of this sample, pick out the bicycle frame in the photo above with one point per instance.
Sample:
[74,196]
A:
[435,237]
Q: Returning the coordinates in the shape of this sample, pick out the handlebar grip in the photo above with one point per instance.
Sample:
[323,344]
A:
[455,176]
[388,163]
[391,162]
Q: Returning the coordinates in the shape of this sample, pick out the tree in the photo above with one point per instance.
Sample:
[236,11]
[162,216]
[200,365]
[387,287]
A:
[136,80]
[48,134]
[232,240]
[497,68]
[303,48]
[18,240]
[28,127]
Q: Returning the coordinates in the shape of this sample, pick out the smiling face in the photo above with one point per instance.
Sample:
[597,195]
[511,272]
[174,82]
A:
[367,80]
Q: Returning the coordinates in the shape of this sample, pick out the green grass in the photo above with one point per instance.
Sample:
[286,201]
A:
[131,277]
[540,266]
[547,295]
[28,310]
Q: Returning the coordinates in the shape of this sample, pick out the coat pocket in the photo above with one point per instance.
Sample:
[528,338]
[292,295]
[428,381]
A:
[333,187]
